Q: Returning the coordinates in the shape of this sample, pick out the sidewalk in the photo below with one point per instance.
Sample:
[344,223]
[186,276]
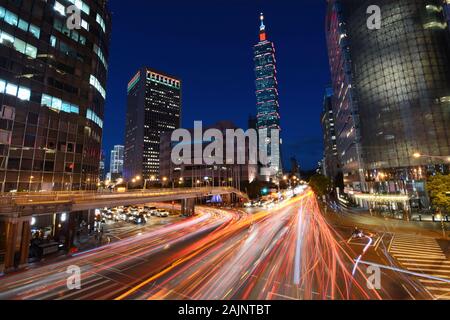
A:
[363,219]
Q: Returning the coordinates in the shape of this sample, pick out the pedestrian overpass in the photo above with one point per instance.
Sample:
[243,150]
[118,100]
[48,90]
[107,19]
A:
[27,204]
[17,210]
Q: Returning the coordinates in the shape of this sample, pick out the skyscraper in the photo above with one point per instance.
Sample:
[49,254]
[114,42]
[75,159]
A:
[116,162]
[345,106]
[400,77]
[154,107]
[101,169]
[268,108]
[331,161]
[52,94]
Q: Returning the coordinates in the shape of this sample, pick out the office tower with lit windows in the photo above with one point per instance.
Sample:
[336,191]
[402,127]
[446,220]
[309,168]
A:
[331,161]
[397,80]
[101,167]
[345,107]
[116,162]
[268,108]
[154,107]
[52,94]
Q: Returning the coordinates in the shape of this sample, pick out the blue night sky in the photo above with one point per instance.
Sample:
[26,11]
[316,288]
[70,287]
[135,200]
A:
[208,44]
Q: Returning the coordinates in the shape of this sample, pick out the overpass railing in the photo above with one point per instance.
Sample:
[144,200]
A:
[80,196]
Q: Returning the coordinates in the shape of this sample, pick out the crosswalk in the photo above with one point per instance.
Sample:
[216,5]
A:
[424,255]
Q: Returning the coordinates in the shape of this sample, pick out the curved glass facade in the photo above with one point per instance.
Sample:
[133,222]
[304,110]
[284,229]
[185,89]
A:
[51,115]
[401,76]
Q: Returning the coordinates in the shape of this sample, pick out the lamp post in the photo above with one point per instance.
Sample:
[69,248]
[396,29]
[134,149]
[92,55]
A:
[152,178]
[133,181]
[31,181]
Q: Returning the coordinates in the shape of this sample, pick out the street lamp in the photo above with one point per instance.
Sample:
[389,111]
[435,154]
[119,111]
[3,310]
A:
[152,178]
[31,181]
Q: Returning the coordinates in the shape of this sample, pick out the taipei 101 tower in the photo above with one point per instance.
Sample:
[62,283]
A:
[268,114]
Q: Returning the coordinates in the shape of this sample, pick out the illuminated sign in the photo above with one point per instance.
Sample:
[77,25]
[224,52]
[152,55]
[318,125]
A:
[133,81]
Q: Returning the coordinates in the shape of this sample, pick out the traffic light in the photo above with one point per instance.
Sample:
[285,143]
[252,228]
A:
[265,191]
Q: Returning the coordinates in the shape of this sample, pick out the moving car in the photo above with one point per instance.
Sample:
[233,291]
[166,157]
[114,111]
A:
[162,213]
[140,219]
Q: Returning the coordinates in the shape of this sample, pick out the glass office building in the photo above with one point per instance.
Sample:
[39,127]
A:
[52,94]
[268,108]
[116,163]
[154,107]
[330,162]
[400,76]
[345,106]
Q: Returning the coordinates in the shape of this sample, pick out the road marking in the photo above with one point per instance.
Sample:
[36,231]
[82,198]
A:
[379,241]
[430,281]
[410,294]
[419,253]
[438,289]
[75,292]
[423,265]
[424,258]
[438,260]
[283,296]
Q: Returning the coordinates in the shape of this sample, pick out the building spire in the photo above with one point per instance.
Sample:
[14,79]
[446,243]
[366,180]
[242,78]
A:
[262,29]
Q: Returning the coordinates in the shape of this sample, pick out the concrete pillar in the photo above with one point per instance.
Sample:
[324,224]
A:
[11,242]
[70,230]
[188,207]
[16,233]
[25,243]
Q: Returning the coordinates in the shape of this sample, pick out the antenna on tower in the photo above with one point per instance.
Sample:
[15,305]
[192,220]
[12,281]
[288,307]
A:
[263,27]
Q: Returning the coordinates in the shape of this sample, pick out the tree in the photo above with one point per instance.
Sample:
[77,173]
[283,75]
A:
[254,189]
[320,184]
[438,186]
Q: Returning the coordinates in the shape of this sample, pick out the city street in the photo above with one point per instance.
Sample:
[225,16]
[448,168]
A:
[288,252]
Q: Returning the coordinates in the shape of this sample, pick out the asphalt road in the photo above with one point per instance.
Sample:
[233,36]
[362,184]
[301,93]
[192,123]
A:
[291,251]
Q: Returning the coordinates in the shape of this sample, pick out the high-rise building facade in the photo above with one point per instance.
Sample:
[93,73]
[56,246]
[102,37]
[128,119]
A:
[345,107]
[400,77]
[116,162]
[154,107]
[52,94]
[268,108]
[331,161]
[102,167]
[198,172]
